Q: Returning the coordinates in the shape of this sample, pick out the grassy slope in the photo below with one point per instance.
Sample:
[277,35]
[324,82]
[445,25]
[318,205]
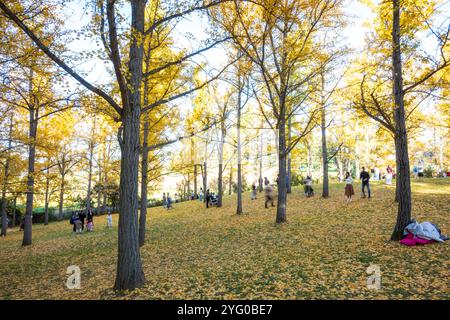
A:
[322,252]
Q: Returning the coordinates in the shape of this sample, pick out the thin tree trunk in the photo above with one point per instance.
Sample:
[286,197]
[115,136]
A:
[14,211]
[91,156]
[230,182]
[5,183]
[239,165]
[401,141]
[27,232]
[47,184]
[61,195]
[105,180]
[260,180]
[220,173]
[288,180]
[325,187]
[99,187]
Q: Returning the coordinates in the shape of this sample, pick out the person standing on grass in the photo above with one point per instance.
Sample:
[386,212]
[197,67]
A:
[207,198]
[349,191]
[164,200]
[365,177]
[82,216]
[253,191]
[109,220]
[90,215]
[269,194]
[389,175]
[169,202]
[200,198]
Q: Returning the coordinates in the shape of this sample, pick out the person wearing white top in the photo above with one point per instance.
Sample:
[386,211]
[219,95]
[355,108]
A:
[109,220]
[349,191]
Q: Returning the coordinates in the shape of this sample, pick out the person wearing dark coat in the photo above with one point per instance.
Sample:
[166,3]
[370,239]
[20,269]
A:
[82,216]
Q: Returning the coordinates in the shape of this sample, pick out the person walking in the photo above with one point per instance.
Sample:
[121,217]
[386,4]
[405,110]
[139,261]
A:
[309,191]
[349,191]
[269,193]
[364,176]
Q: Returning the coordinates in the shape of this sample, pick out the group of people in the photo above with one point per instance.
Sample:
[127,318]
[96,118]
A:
[209,197]
[79,218]
[167,201]
[364,176]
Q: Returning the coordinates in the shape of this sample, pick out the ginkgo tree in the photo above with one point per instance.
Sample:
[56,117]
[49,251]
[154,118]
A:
[402,78]
[278,37]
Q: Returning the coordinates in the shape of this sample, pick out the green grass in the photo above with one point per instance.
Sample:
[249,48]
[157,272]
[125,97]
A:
[323,251]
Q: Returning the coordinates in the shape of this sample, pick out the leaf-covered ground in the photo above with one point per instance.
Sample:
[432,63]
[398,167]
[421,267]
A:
[322,252]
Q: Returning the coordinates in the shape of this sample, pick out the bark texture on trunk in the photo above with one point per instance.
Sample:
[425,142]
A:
[282,194]
[239,156]
[47,185]
[220,173]
[403,182]
[325,187]
[28,219]
[129,273]
[144,184]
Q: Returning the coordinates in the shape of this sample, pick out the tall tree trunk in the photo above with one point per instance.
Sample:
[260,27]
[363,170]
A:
[129,273]
[205,179]
[47,184]
[5,183]
[260,180]
[144,183]
[61,194]
[91,156]
[239,156]
[401,141]
[220,173]
[99,191]
[230,181]
[195,179]
[281,204]
[288,180]
[308,147]
[104,183]
[14,210]
[325,187]
[27,232]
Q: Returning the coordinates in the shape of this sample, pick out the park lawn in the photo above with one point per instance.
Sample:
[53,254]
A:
[322,252]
